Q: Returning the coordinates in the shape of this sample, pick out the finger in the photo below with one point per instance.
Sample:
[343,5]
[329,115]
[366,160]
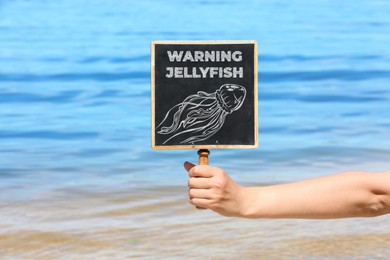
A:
[204,171]
[199,194]
[188,166]
[199,183]
[201,203]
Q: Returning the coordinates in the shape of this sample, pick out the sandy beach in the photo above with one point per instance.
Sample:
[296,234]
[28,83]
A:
[158,223]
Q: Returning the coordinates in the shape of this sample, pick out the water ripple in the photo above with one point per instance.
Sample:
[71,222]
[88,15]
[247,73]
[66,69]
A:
[97,152]
[66,77]
[111,59]
[342,75]
[16,97]
[47,134]
[299,58]
[297,131]
[318,98]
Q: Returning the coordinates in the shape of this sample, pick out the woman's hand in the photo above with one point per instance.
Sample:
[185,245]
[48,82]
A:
[212,188]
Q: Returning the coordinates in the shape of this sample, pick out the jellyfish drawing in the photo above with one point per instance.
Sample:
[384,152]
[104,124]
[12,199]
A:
[201,115]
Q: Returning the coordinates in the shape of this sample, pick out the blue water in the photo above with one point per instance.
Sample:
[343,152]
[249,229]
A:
[75,89]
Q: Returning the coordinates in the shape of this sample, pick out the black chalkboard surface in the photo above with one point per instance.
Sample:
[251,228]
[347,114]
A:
[204,94]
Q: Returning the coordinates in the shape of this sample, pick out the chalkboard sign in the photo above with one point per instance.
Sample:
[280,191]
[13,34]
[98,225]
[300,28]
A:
[204,94]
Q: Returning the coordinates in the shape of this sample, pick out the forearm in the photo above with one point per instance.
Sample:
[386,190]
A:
[352,194]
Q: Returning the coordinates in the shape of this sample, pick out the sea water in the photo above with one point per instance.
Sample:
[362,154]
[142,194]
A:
[78,176]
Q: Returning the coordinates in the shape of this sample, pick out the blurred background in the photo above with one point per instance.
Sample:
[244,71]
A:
[75,148]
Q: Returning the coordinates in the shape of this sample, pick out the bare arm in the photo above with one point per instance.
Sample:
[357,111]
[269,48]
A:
[350,194]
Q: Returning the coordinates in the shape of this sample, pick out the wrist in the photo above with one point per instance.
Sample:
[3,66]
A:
[249,202]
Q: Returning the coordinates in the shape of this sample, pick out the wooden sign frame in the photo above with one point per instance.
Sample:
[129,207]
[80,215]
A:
[167,56]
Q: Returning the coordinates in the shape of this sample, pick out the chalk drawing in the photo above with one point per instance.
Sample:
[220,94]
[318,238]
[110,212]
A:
[201,115]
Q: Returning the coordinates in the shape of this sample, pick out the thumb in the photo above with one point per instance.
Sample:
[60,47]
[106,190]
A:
[188,166]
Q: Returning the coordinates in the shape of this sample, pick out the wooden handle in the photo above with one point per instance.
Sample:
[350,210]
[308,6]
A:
[203,160]
[203,157]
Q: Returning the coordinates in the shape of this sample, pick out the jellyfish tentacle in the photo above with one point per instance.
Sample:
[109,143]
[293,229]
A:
[173,127]
[188,102]
[215,126]
[201,130]
[201,115]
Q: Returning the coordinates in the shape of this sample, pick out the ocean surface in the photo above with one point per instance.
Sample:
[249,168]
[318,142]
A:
[78,176]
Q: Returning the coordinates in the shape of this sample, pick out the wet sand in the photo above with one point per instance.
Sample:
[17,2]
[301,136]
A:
[158,223]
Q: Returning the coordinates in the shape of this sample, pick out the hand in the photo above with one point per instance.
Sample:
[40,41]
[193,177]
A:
[212,188]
